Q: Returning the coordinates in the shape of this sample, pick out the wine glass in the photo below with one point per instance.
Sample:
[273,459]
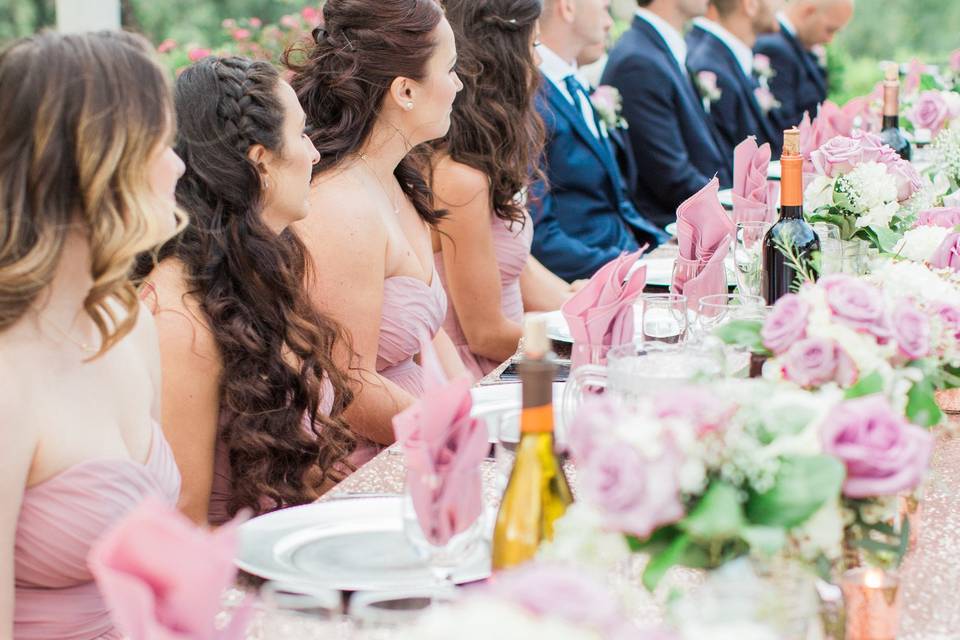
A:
[719,309]
[831,248]
[747,255]
[301,610]
[663,317]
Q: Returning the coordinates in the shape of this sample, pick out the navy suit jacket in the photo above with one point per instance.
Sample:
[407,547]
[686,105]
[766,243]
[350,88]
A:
[582,216]
[674,142]
[799,84]
[737,114]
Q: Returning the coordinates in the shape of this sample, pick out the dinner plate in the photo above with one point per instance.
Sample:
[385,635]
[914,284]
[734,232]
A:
[773,171]
[671,229]
[660,271]
[491,400]
[350,544]
[726,198]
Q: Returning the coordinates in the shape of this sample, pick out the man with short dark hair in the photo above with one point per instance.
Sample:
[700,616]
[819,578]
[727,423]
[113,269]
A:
[675,144]
[721,44]
[800,84]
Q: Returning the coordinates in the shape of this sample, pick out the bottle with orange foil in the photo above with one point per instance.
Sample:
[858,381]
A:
[537,493]
[890,132]
[790,246]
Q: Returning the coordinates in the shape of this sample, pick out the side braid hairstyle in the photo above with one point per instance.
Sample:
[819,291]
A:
[343,77]
[276,349]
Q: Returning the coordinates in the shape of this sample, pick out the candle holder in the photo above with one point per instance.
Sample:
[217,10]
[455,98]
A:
[872,601]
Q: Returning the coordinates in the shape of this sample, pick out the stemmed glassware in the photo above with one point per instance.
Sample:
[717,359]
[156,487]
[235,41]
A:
[663,317]
[747,256]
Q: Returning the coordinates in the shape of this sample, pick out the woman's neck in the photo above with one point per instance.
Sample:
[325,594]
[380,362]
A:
[385,148]
[62,302]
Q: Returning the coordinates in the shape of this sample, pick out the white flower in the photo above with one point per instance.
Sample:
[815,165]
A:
[579,537]
[481,618]
[906,278]
[819,193]
[875,191]
[822,534]
[918,244]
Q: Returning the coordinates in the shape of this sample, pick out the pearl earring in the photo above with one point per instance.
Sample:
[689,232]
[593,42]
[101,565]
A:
[409,106]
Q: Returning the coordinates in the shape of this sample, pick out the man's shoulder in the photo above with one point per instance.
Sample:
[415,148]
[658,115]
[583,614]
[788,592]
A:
[773,44]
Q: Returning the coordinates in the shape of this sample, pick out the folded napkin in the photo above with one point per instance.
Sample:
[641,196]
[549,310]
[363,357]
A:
[443,449]
[754,196]
[601,313]
[163,578]
[831,121]
[703,234]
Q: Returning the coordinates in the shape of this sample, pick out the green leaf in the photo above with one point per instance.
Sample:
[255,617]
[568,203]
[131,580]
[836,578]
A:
[922,407]
[886,238]
[718,515]
[904,540]
[743,333]
[866,386]
[876,546]
[803,485]
[767,540]
[661,562]
[659,540]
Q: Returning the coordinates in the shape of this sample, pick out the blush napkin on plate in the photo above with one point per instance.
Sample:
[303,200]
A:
[443,449]
[754,196]
[600,315]
[703,234]
[163,577]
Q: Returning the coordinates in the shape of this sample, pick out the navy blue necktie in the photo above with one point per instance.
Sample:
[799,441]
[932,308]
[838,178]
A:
[576,91]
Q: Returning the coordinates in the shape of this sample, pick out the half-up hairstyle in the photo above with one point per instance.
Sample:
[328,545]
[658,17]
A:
[346,73]
[83,115]
[276,349]
[494,127]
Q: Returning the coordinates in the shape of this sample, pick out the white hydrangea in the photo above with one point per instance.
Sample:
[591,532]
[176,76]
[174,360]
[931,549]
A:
[579,537]
[819,193]
[923,285]
[874,193]
[822,534]
[918,244]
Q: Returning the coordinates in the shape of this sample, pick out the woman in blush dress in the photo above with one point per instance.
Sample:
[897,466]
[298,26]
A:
[252,403]
[378,80]
[481,170]
[87,179]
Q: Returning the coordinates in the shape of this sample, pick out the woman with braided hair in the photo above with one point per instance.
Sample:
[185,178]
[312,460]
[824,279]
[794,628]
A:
[378,80]
[481,171]
[252,401]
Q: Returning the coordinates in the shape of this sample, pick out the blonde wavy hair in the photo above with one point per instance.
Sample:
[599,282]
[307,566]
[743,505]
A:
[83,115]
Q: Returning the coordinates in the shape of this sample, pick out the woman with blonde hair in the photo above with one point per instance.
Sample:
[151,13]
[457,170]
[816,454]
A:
[87,178]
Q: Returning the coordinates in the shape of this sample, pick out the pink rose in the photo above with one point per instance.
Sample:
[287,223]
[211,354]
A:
[813,362]
[947,217]
[911,330]
[761,64]
[590,424]
[930,111]
[883,453]
[198,53]
[908,180]
[947,254]
[856,304]
[837,156]
[950,317]
[695,405]
[786,324]
[634,494]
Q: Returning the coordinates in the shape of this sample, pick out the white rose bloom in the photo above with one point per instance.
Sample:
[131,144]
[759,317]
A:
[919,244]
[821,534]
[897,277]
[878,215]
[579,537]
[819,193]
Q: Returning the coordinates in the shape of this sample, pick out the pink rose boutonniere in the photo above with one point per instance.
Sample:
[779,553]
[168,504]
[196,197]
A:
[709,90]
[765,98]
[608,104]
[763,68]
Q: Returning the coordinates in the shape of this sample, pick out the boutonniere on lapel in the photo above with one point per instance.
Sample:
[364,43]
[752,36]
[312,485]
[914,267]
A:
[608,104]
[765,98]
[820,55]
[707,86]
[763,69]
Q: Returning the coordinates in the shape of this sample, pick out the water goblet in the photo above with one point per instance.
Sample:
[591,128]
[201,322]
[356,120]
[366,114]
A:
[719,309]
[831,248]
[663,317]
[747,253]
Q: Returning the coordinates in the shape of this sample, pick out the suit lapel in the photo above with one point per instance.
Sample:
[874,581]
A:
[746,85]
[815,75]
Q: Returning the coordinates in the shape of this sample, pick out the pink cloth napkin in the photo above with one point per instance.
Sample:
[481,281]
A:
[443,448]
[831,121]
[601,313]
[703,233]
[162,577]
[754,196]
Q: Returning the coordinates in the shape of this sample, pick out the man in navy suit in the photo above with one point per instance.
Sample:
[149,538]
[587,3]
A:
[583,216]
[799,83]
[675,144]
[721,43]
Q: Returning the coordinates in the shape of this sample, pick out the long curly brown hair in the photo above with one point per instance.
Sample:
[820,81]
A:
[249,284]
[343,76]
[494,127]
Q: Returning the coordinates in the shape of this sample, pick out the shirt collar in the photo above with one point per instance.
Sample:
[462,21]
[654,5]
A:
[740,50]
[673,38]
[786,24]
[555,68]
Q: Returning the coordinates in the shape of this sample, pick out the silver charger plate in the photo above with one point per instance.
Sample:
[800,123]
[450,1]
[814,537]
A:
[349,544]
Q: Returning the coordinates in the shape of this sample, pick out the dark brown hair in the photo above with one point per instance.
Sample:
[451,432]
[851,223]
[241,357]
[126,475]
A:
[361,48]
[494,127]
[82,116]
[249,284]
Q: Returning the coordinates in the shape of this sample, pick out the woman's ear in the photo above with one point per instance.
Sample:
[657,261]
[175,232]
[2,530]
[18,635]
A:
[403,93]
[260,156]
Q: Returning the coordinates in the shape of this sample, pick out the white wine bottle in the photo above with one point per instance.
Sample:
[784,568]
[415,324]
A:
[537,493]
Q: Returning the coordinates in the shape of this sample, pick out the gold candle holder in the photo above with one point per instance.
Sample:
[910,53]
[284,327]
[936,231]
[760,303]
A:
[872,600]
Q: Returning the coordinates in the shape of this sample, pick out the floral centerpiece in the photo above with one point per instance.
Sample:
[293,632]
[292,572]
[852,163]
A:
[945,167]
[862,186]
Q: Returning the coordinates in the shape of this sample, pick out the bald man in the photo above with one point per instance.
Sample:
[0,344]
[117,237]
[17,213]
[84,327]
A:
[800,85]
[722,43]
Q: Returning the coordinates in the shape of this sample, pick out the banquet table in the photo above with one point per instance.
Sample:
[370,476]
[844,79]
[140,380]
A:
[930,574]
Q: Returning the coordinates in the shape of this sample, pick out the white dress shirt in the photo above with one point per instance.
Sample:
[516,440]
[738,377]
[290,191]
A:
[740,51]
[673,38]
[556,70]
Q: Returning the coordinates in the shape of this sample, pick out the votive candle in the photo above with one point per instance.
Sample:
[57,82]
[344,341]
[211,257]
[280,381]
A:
[872,600]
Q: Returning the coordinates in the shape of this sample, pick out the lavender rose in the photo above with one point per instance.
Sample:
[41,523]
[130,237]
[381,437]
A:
[633,493]
[837,156]
[947,255]
[590,424]
[856,303]
[786,324]
[911,330]
[883,453]
[908,180]
[947,217]
[930,111]
[813,362]
[950,317]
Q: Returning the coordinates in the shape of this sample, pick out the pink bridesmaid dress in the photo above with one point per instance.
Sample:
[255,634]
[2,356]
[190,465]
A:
[60,518]
[511,244]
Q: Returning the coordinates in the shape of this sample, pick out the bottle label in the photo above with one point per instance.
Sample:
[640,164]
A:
[791,181]
[537,419]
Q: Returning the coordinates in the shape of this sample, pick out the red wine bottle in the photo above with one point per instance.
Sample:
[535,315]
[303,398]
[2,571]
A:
[790,245]
[890,133]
